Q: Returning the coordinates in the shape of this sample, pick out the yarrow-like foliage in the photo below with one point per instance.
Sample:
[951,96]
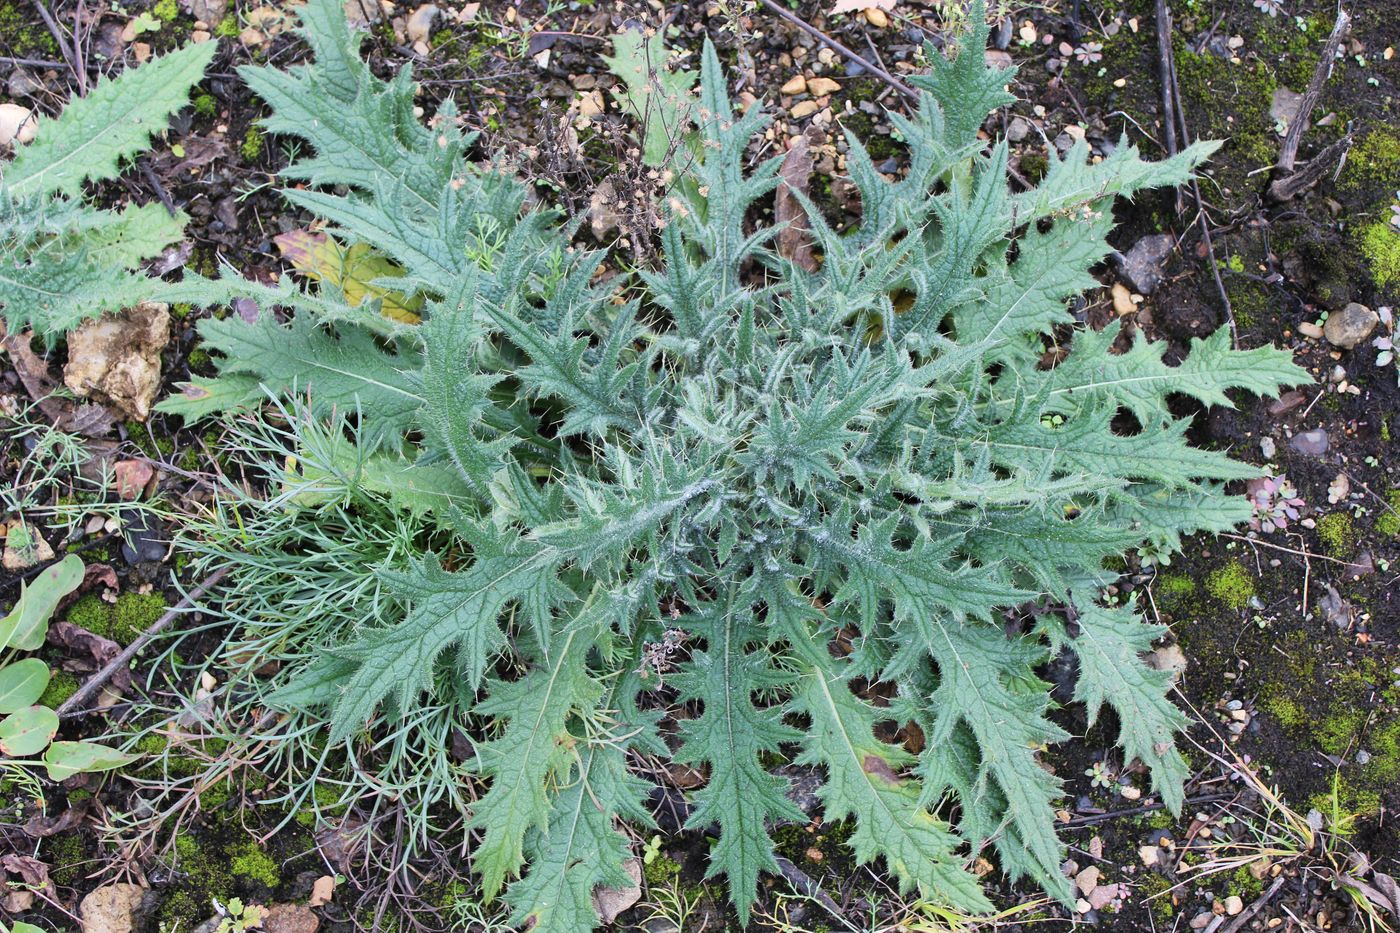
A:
[736,485]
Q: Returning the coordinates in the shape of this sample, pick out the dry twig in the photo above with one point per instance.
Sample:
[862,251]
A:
[840,49]
[95,682]
[1289,153]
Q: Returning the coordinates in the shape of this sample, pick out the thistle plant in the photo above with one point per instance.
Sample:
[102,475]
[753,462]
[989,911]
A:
[770,496]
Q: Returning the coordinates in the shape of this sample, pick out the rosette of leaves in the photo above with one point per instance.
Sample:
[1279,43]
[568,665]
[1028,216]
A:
[773,496]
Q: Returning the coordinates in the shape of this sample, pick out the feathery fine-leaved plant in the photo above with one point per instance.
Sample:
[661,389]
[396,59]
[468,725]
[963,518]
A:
[723,484]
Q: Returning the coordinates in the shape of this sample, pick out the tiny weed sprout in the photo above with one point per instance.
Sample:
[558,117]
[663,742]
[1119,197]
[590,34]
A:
[521,507]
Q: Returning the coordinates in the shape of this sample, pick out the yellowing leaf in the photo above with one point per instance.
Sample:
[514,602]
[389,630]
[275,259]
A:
[353,270]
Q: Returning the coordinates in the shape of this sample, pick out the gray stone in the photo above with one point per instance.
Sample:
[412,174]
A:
[1144,266]
[1285,105]
[1019,129]
[1349,326]
[1314,443]
[22,84]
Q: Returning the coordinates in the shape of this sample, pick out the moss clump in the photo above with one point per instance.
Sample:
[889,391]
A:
[252,146]
[1155,893]
[1338,534]
[62,685]
[66,854]
[91,613]
[253,863]
[1173,590]
[1336,735]
[1383,745]
[205,106]
[122,621]
[1252,302]
[1374,162]
[24,33]
[216,796]
[1347,802]
[1232,101]
[1380,247]
[1287,712]
[227,28]
[661,871]
[1388,524]
[1245,885]
[133,613]
[326,802]
[1159,819]
[165,10]
[1232,585]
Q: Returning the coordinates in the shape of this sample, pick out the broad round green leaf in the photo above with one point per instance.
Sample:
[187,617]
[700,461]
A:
[65,759]
[27,624]
[22,683]
[28,731]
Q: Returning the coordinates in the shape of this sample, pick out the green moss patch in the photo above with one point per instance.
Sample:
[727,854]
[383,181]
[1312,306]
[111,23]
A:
[1379,244]
[1338,534]
[121,621]
[1232,585]
[1388,524]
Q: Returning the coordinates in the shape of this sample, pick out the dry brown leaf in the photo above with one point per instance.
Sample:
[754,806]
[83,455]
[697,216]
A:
[795,238]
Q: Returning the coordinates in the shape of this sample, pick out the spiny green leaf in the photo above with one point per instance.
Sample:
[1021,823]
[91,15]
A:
[1110,646]
[446,609]
[114,121]
[731,736]
[533,746]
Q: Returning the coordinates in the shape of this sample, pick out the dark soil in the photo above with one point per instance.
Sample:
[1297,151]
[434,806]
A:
[1298,630]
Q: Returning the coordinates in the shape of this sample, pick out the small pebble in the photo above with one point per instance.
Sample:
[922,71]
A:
[1350,326]
[877,17]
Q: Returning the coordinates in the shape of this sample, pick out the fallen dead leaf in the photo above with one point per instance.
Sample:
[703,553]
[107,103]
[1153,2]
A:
[795,238]
[352,270]
[90,652]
